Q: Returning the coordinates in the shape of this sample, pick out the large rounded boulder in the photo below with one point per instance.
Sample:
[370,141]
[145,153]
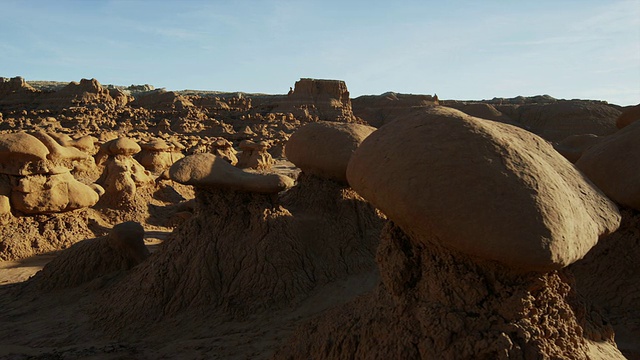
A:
[487,189]
[324,148]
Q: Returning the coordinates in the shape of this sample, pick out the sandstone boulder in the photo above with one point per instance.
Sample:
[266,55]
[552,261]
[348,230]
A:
[40,194]
[612,164]
[324,148]
[486,189]
[21,154]
[208,170]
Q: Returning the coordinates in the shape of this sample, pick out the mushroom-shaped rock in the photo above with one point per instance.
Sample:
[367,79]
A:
[122,146]
[487,189]
[158,155]
[628,116]
[208,170]
[324,148]
[19,152]
[223,148]
[254,155]
[612,164]
[128,238]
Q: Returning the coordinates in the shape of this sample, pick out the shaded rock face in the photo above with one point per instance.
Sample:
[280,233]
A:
[574,146]
[377,110]
[467,201]
[315,99]
[612,164]
[557,120]
[438,304]
[608,276]
[628,116]
[15,93]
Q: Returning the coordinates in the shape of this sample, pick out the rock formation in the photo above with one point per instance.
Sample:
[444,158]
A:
[254,155]
[378,110]
[37,171]
[223,148]
[574,146]
[123,176]
[157,155]
[448,289]
[324,148]
[557,120]
[612,165]
[314,99]
[628,116]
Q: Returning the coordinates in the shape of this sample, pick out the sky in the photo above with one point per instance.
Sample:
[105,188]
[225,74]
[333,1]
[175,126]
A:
[464,50]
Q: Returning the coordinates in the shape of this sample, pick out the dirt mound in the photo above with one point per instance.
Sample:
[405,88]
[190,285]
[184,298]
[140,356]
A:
[90,259]
[244,253]
[24,236]
[436,304]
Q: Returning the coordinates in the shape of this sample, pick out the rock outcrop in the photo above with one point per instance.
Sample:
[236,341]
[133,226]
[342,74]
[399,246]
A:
[628,116]
[440,300]
[315,99]
[612,165]
[377,110]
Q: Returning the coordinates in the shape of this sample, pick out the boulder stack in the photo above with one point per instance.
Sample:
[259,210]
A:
[482,217]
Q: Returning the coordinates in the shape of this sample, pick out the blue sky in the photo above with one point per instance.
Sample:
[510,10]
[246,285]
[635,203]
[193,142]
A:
[458,49]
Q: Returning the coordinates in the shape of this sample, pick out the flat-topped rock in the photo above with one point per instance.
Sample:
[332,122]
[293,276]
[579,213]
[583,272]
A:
[324,148]
[487,189]
[208,170]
